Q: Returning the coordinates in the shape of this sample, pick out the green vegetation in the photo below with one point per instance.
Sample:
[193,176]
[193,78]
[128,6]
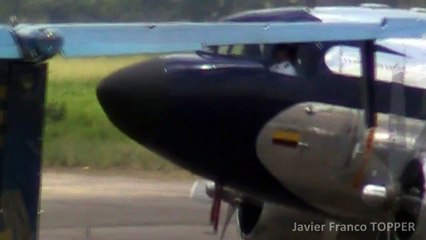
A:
[77,131]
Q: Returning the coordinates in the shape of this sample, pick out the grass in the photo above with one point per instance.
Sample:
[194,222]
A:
[77,132]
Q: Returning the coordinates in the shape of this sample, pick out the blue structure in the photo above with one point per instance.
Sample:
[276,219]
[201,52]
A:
[22,91]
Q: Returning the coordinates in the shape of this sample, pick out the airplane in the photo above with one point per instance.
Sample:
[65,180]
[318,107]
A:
[330,148]
[288,149]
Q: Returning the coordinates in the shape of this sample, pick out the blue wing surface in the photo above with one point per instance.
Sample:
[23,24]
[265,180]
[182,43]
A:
[83,40]
[123,39]
[9,48]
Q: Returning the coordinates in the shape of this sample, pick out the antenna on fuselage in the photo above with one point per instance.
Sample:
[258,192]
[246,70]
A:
[13,21]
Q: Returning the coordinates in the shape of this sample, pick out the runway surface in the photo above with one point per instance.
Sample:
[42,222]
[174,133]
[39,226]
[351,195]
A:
[93,207]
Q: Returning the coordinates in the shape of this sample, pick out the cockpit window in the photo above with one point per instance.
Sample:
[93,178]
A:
[279,58]
[346,60]
[223,50]
[237,50]
[252,51]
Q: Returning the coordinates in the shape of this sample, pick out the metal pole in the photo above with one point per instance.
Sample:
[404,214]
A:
[368,82]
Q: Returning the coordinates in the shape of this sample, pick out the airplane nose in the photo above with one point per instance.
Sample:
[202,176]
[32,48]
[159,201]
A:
[134,98]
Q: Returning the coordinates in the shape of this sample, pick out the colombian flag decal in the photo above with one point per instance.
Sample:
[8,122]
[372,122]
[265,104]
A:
[286,138]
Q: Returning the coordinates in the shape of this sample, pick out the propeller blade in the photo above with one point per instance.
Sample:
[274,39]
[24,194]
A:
[229,214]
[421,224]
[215,210]
[404,165]
[359,176]
[409,211]
[410,204]
[420,142]
[397,157]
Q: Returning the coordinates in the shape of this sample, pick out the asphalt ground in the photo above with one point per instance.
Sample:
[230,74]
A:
[85,206]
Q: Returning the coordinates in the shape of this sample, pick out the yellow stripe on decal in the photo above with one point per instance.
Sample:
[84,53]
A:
[291,136]
[286,138]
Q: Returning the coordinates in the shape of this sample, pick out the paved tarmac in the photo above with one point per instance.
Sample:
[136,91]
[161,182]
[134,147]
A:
[94,207]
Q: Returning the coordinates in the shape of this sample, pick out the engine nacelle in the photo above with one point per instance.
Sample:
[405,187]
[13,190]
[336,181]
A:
[419,208]
[420,233]
[269,221]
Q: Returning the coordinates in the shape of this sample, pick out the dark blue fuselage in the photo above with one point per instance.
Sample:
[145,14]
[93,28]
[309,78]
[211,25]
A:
[204,111]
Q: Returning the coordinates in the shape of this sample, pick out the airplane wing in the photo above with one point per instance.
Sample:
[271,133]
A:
[119,39]
[85,40]
[8,47]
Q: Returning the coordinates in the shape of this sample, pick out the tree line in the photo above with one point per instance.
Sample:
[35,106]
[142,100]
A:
[153,10]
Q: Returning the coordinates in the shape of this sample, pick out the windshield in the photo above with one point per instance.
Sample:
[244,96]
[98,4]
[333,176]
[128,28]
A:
[251,51]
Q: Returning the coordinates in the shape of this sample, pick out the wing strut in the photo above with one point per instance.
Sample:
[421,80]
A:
[367,86]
